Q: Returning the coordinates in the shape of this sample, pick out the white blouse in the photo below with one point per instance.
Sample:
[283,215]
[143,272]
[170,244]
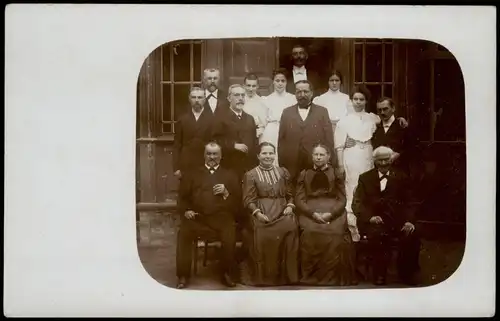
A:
[359,126]
[337,103]
[275,104]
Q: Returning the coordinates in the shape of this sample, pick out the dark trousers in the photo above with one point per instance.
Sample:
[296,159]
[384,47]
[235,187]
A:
[221,225]
[379,244]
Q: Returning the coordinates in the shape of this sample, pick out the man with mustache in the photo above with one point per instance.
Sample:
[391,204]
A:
[393,134]
[209,198]
[215,98]
[385,209]
[192,132]
[303,126]
[236,132]
[299,71]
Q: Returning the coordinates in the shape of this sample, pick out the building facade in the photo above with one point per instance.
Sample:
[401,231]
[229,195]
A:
[422,77]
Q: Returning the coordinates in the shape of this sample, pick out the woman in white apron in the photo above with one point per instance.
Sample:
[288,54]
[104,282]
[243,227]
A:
[336,102]
[275,103]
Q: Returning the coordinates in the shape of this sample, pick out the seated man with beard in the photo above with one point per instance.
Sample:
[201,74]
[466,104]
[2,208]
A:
[209,197]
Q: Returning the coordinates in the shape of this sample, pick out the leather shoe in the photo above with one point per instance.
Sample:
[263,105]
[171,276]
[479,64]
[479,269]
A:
[380,281]
[227,281]
[181,283]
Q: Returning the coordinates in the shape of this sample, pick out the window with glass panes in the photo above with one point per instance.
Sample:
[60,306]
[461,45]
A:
[181,68]
[374,67]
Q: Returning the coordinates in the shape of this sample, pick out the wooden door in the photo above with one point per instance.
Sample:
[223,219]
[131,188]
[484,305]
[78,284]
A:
[250,55]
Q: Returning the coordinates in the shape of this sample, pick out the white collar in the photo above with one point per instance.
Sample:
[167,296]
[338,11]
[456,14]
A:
[255,97]
[307,109]
[199,112]
[215,167]
[299,69]
[380,174]
[323,168]
[236,113]
[389,122]
[207,93]
[331,92]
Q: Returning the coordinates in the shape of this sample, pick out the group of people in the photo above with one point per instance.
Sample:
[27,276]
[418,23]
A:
[304,178]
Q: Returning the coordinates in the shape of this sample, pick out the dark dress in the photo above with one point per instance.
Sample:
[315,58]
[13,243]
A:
[273,246]
[327,255]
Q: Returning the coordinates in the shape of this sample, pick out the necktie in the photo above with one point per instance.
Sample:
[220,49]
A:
[212,170]
[384,176]
[210,96]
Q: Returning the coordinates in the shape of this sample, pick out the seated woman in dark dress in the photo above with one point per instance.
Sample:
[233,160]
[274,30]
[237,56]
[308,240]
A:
[326,248]
[273,238]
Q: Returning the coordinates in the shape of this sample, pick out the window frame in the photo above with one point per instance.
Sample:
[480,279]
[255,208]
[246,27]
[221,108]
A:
[382,83]
[172,82]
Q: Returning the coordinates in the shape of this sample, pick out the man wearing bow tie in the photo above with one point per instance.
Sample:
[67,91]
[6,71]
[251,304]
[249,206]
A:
[303,126]
[385,210]
[236,132]
[216,100]
[209,197]
[393,134]
[301,72]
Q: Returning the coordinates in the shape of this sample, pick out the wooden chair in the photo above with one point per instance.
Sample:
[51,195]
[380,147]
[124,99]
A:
[364,256]
[207,243]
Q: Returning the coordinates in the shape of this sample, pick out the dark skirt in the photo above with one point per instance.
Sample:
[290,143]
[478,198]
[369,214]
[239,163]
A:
[273,251]
[327,255]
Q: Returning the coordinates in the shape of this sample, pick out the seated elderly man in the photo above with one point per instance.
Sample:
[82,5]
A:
[385,210]
[209,196]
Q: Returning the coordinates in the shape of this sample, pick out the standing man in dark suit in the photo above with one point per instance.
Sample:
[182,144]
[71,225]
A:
[299,71]
[392,134]
[236,132]
[303,126]
[385,209]
[192,133]
[209,197]
[216,100]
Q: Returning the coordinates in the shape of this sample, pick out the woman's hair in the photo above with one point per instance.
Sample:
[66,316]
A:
[337,73]
[322,146]
[361,89]
[264,144]
[250,76]
[280,71]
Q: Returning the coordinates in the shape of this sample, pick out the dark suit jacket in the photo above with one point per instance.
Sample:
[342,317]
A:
[190,139]
[228,130]
[399,139]
[296,135]
[222,103]
[196,192]
[312,76]
[395,205]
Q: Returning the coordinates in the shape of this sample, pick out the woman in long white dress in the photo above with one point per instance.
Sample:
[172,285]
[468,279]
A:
[336,102]
[275,103]
[352,140]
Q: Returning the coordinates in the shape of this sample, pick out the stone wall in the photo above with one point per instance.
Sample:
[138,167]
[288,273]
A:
[156,228]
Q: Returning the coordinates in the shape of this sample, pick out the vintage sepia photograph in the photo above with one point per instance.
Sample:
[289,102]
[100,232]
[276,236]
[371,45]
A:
[300,163]
[249,160]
